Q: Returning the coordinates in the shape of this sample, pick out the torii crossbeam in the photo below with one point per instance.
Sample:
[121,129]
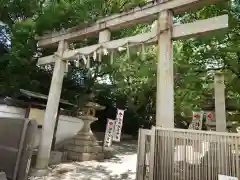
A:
[163,35]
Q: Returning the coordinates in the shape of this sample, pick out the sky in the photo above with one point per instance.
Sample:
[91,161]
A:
[4,37]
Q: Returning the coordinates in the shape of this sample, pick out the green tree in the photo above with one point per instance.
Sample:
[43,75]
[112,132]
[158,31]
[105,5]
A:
[133,77]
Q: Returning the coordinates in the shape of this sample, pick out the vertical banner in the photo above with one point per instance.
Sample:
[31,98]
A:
[109,133]
[197,120]
[118,126]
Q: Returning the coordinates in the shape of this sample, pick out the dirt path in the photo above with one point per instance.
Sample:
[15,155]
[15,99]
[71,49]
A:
[121,167]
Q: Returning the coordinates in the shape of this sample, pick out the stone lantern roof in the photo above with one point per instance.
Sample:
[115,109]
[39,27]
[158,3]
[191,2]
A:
[88,111]
[95,106]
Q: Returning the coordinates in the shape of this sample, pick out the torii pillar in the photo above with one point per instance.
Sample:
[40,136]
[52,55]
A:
[51,109]
[53,102]
[165,88]
[220,107]
[165,82]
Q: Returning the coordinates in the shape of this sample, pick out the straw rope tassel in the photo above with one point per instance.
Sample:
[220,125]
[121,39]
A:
[143,52]
[128,50]
[112,57]
[66,69]
[89,66]
[88,62]
[94,55]
[100,55]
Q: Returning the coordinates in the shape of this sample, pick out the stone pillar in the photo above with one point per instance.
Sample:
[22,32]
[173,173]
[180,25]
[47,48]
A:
[86,126]
[220,108]
[165,82]
[165,95]
[51,109]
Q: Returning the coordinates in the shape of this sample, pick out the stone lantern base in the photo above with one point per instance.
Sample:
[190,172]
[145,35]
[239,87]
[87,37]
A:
[84,146]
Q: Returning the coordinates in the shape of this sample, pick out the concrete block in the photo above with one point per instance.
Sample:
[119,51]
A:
[99,156]
[85,156]
[3,176]
[55,157]
[39,172]
[72,156]
[64,156]
[80,156]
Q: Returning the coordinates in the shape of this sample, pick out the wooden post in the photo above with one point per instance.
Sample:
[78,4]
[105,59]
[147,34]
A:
[51,109]
[220,108]
[165,83]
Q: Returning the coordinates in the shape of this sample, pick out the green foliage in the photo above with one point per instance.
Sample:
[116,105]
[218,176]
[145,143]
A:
[133,79]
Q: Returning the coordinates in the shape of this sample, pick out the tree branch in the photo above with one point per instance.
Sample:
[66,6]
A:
[228,66]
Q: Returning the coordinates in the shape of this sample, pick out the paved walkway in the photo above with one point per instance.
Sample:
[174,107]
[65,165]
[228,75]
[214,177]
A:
[121,167]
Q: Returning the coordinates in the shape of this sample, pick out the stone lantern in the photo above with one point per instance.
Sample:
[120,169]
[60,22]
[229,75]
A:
[84,146]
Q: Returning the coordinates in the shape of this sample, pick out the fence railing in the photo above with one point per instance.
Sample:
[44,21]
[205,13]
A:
[179,154]
[144,141]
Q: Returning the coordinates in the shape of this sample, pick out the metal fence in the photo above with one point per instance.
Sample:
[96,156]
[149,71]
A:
[179,154]
[144,141]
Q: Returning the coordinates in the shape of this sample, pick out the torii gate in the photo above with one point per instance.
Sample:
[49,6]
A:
[163,35]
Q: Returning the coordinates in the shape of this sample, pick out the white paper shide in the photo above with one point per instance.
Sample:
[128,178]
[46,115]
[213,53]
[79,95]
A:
[109,133]
[118,126]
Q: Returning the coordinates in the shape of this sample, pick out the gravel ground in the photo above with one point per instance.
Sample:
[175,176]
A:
[120,167]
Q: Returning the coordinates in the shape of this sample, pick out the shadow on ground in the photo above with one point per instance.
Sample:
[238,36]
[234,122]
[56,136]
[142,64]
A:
[126,148]
[77,171]
[122,166]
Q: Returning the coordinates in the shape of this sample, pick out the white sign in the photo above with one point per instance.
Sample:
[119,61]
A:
[210,117]
[197,120]
[109,133]
[223,177]
[118,125]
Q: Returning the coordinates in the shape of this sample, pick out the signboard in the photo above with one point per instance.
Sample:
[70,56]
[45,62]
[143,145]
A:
[210,121]
[210,118]
[118,125]
[197,120]
[223,177]
[109,133]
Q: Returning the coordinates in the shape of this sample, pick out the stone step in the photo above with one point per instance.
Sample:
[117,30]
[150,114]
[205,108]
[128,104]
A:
[85,143]
[85,149]
[85,137]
